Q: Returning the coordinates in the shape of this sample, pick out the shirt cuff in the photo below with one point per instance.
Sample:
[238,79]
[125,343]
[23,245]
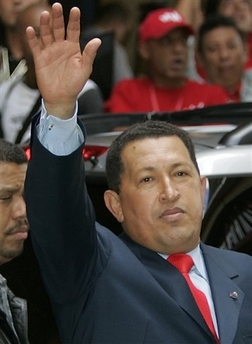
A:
[60,137]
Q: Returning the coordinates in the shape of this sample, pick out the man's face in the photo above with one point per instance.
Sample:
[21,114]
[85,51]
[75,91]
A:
[223,56]
[161,195]
[240,11]
[9,10]
[13,221]
[167,58]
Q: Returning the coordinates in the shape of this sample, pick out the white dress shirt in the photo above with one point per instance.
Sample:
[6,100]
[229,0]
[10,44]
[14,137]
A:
[60,137]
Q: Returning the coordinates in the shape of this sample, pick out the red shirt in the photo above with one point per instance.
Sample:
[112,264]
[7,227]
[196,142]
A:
[140,95]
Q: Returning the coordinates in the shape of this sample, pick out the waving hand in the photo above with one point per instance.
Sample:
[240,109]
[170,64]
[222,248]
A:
[61,68]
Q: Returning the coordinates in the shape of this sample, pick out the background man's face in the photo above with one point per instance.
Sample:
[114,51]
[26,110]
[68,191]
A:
[240,11]
[223,56]
[13,221]
[167,56]
[9,10]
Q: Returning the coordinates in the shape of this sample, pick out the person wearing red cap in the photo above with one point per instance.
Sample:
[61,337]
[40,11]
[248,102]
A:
[163,36]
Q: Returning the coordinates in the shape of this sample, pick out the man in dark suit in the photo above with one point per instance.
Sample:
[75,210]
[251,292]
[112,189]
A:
[122,290]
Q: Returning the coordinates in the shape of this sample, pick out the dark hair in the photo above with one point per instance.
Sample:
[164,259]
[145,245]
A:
[213,22]
[140,131]
[211,7]
[10,152]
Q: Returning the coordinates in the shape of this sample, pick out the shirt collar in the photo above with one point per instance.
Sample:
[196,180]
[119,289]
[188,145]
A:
[199,264]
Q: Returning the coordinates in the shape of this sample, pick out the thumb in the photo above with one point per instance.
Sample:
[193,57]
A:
[91,49]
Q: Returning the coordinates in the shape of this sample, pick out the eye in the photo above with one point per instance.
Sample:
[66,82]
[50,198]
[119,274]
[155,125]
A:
[183,40]
[232,45]
[212,48]
[181,174]
[146,179]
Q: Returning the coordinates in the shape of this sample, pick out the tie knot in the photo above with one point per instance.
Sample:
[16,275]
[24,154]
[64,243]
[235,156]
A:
[183,262]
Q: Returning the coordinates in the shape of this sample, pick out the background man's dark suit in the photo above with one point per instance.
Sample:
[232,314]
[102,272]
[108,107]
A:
[111,290]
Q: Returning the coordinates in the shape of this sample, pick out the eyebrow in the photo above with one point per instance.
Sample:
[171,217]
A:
[175,165]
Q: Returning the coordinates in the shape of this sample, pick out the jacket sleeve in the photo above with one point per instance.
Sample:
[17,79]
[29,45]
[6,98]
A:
[62,220]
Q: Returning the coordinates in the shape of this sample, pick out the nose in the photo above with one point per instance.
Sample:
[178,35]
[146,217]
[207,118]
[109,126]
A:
[19,208]
[224,53]
[179,45]
[169,191]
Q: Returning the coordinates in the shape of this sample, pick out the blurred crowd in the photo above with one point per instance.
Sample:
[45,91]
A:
[188,54]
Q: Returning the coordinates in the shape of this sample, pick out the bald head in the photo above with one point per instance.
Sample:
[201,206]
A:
[10,10]
[30,16]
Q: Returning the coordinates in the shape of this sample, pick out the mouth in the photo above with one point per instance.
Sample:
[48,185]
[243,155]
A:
[20,233]
[172,215]
[225,69]
[177,63]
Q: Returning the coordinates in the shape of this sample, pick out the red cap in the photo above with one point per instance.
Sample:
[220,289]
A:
[160,22]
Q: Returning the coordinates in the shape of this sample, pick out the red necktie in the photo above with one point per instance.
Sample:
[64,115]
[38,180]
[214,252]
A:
[184,263]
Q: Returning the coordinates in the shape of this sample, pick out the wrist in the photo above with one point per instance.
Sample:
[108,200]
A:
[60,109]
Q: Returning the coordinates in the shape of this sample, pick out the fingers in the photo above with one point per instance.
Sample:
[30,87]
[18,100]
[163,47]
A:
[45,29]
[52,26]
[33,42]
[73,27]
[58,25]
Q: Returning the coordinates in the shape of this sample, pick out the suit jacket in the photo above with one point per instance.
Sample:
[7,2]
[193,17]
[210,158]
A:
[106,289]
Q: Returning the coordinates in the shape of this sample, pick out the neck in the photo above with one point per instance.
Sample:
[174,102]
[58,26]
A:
[233,88]
[230,87]
[168,83]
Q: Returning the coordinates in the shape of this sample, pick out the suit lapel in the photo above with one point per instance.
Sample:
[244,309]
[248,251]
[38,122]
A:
[227,296]
[222,282]
[174,284]
[171,280]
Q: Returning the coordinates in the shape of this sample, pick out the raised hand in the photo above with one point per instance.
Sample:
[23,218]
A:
[61,68]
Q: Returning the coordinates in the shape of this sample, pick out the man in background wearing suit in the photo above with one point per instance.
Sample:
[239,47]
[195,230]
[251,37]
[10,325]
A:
[127,289]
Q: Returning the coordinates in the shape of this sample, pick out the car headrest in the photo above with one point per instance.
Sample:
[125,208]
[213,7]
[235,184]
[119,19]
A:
[242,135]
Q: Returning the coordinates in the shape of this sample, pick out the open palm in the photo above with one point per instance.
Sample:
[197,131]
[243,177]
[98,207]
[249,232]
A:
[61,68]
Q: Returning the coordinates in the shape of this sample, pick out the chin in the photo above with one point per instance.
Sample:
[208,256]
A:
[15,252]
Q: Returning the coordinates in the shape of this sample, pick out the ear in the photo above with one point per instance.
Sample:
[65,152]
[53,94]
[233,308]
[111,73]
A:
[203,181]
[143,49]
[112,202]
